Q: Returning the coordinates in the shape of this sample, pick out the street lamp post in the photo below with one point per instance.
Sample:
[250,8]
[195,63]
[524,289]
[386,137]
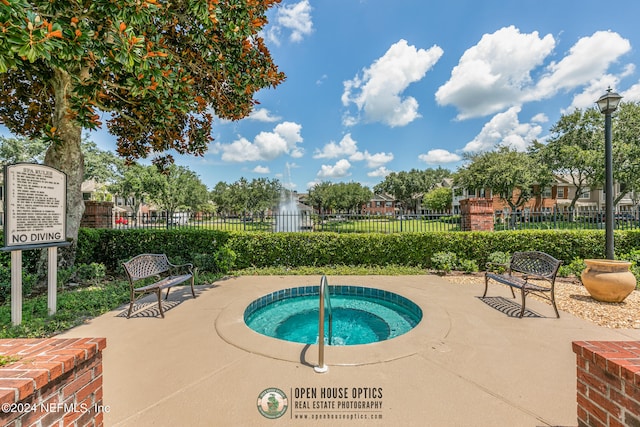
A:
[607,105]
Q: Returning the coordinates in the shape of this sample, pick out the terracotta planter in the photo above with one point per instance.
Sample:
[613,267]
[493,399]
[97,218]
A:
[608,280]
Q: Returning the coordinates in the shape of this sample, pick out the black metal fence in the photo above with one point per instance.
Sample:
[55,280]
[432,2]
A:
[352,223]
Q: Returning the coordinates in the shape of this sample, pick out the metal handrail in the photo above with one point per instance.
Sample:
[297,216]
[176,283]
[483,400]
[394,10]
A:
[324,299]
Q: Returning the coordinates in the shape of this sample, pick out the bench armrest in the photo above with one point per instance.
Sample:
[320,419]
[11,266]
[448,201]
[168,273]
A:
[188,267]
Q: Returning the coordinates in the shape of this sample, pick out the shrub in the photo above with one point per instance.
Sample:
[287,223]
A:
[574,268]
[444,262]
[90,274]
[498,257]
[225,259]
[468,266]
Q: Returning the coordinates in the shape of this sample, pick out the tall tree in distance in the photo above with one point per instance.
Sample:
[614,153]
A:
[575,149]
[510,174]
[159,68]
[408,188]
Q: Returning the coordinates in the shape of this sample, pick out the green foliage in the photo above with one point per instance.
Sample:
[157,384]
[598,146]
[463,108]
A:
[497,260]
[468,266]
[405,185]
[221,261]
[510,174]
[112,246]
[7,360]
[573,268]
[634,257]
[444,262]
[340,197]
[92,273]
[334,270]
[266,249]
[438,199]
[28,282]
[73,308]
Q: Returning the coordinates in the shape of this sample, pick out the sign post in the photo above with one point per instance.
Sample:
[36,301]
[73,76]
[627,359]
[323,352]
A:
[35,213]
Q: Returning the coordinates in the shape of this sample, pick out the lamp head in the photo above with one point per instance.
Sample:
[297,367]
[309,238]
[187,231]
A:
[608,103]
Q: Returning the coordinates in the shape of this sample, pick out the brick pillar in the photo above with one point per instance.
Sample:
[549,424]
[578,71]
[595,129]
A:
[608,387]
[53,382]
[476,214]
[97,214]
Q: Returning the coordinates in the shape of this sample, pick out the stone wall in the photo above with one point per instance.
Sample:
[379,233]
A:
[54,382]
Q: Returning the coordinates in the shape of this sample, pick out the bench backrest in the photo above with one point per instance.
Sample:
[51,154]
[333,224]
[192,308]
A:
[535,262]
[146,265]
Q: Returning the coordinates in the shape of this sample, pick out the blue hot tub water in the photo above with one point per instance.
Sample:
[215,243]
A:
[360,315]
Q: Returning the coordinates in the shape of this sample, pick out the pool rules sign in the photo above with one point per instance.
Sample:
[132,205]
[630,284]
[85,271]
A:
[34,216]
[35,205]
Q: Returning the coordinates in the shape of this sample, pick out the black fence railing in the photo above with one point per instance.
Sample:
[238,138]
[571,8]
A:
[579,219]
[288,222]
[354,223]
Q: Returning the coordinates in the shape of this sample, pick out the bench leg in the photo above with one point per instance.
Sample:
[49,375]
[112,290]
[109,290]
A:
[524,297]
[133,298]
[486,285]
[192,291]
[159,294]
[553,303]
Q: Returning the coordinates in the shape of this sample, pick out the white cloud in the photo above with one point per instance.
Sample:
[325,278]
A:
[339,170]
[262,169]
[292,17]
[491,75]
[586,61]
[540,118]
[381,172]
[439,156]
[504,129]
[378,93]
[495,74]
[263,115]
[374,160]
[265,146]
[348,147]
[632,94]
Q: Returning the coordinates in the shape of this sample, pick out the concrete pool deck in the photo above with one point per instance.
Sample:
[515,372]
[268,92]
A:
[470,362]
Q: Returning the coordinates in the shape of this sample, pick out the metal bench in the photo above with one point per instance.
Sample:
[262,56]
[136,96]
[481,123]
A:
[155,265]
[523,267]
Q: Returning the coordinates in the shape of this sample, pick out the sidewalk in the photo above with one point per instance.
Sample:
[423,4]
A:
[468,363]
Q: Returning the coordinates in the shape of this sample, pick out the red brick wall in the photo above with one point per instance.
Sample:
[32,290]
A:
[54,382]
[96,214]
[476,215]
[608,388]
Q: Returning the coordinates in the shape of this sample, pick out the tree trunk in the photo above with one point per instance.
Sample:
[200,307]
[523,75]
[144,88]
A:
[66,155]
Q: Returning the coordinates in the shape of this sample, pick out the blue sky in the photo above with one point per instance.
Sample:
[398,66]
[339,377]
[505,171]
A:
[375,86]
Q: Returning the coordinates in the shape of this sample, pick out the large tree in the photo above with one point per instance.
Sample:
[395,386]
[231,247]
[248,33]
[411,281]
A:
[509,174]
[408,188]
[18,150]
[575,149]
[179,189]
[158,68]
[626,150]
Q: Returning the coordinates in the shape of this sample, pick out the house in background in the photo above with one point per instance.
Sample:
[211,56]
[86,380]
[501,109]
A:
[555,198]
[380,204]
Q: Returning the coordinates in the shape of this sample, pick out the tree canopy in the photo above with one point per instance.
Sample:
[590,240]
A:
[510,174]
[159,69]
[408,188]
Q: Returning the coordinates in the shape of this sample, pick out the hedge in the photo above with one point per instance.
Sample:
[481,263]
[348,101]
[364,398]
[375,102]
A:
[263,249]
